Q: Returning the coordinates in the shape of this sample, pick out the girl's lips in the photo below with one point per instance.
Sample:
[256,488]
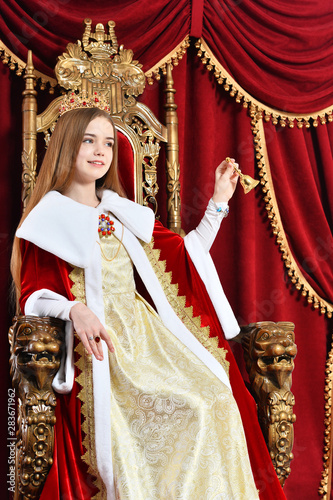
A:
[99,163]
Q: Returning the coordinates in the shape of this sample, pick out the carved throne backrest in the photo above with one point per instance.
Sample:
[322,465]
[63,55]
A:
[98,64]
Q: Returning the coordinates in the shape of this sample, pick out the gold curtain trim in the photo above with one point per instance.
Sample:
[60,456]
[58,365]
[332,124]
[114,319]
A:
[325,483]
[85,380]
[173,57]
[16,64]
[242,97]
[294,272]
[178,303]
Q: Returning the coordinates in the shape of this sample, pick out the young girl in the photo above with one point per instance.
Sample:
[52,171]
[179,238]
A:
[150,385]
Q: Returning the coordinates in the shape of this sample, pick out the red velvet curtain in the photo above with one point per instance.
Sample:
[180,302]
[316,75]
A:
[301,164]
[281,54]
[150,29]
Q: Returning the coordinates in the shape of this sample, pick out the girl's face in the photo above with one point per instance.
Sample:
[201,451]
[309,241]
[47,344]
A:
[95,153]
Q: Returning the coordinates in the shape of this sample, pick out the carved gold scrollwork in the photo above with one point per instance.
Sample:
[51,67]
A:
[279,419]
[172,163]
[173,186]
[100,37]
[269,352]
[29,136]
[36,349]
[149,152]
[149,183]
[325,483]
[29,162]
[99,63]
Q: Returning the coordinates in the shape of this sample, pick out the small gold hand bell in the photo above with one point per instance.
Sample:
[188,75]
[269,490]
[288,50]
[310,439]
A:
[246,181]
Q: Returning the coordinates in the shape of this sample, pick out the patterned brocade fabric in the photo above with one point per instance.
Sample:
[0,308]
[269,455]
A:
[176,429]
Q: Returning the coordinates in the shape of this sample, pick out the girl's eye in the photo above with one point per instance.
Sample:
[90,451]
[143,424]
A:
[87,140]
[109,144]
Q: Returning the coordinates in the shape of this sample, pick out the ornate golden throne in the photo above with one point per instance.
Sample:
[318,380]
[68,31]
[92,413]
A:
[99,64]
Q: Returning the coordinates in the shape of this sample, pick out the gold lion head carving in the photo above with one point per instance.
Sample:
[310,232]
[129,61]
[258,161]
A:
[270,350]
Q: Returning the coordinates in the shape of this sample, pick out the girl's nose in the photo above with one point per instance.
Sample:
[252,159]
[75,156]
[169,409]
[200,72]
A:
[98,150]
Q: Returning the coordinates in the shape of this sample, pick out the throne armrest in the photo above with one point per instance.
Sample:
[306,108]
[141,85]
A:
[36,350]
[269,350]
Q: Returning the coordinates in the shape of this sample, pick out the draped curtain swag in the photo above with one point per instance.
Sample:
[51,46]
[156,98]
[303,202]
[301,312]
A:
[253,80]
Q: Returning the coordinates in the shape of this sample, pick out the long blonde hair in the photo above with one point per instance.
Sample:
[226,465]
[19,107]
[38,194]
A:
[57,170]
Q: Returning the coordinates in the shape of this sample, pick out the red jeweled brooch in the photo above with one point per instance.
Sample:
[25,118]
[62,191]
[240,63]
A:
[105,225]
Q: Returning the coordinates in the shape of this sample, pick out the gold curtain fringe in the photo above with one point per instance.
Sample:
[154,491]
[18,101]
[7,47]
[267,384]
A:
[172,58]
[325,483]
[13,62]
[16,64]
[294,272]
[256,107]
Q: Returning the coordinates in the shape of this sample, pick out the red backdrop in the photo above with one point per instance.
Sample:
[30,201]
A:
[281,54]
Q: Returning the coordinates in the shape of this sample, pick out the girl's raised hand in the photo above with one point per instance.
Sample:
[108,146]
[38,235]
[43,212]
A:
[225,181]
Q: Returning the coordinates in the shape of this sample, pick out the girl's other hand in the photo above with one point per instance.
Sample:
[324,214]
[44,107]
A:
[90,330]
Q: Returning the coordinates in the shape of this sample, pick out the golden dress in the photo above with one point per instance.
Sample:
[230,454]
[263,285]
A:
[175,427]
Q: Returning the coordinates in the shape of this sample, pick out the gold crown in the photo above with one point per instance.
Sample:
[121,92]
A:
[73,100]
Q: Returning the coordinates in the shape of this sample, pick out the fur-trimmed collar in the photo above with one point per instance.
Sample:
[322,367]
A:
[68,229]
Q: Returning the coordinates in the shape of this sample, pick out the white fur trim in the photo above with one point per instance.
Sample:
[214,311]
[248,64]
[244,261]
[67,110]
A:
[63,227]
[165,311]
[68,229]
[101,376]
[64,378]
[138,219]
[206,269]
